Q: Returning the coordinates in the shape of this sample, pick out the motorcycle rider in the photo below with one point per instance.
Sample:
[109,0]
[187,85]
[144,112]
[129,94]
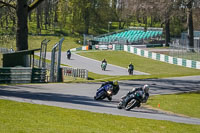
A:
[130,68]
[68,54]
[115,85]
[144,89]
[104,61]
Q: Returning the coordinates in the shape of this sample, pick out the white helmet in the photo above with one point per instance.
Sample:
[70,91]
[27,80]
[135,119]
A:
[146,88]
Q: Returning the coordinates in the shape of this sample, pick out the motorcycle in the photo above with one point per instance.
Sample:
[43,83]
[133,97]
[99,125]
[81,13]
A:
[103,66]
[103,92]
[130,71]
[131,100]
[68,55]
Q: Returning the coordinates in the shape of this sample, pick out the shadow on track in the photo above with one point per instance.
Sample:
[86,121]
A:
[66,98]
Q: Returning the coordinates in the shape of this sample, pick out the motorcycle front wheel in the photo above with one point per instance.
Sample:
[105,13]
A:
[100,96]
[131,104]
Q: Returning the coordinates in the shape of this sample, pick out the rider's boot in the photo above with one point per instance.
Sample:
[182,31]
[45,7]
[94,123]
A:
[109,98]
[138,105]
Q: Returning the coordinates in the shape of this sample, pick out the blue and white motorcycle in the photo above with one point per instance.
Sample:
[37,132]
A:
[103,92]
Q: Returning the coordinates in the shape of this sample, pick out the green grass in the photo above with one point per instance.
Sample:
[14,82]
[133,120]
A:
[68,43]
[186,103]
[35,42]
[18,117]
[157,69]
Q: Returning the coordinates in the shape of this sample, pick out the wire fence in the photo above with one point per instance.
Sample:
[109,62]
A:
[180,49]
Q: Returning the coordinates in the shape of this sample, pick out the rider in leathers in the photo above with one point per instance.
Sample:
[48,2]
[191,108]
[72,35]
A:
[145,89]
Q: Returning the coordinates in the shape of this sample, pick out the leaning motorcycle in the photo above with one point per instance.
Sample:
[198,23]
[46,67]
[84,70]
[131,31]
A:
[103,66]
[131,100]
[103,92]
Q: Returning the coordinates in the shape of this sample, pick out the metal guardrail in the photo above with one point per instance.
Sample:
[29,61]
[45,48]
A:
[15,75]
[22,75]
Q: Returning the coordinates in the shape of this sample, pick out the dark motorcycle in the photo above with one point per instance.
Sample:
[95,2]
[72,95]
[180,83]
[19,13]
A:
[130,71]
[131,100]
[103,92]
[68,55]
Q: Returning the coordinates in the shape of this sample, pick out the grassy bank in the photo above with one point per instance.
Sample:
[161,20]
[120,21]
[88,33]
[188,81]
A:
[187,103]
[157,69]
[22,117]
[68,43]
[35,42]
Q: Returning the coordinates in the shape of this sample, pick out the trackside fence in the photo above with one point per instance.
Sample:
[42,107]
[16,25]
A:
[163,57]
[68,71]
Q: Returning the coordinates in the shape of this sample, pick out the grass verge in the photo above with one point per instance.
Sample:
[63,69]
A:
[186,103]
[23,117]
[157,69]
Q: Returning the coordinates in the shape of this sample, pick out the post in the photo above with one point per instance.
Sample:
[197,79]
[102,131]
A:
[109,23]
[59,60]
[52,64]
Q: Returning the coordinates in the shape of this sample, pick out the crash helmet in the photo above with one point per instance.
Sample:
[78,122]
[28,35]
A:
[146,88]
[115,82]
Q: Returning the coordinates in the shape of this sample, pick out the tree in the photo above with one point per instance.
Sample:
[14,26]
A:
[88,14]
[22,9]
[189,6]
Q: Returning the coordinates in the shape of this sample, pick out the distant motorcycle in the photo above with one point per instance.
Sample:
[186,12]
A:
[130,71]
[103,92]
[131,100]
[103,66]
[68,55]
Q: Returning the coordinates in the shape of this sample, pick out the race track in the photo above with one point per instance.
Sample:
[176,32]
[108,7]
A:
[80,95]
[94,66]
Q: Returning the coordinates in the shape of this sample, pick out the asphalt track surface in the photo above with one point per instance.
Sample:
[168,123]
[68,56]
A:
[94,66]
[80,96]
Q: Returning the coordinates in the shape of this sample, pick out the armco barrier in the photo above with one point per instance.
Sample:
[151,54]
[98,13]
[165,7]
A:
[22,75]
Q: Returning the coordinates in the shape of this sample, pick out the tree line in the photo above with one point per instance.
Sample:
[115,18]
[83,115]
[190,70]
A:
[94,16]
